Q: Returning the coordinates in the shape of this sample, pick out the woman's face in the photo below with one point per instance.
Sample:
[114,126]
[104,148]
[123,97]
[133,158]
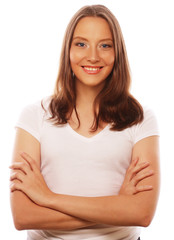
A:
[92,52]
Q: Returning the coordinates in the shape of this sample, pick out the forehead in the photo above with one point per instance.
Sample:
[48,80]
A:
[95,27]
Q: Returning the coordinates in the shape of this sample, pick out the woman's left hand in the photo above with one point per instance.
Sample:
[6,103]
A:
[30,180]
[135,174]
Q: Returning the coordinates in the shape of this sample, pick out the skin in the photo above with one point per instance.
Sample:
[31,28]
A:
[136,202]
[27,214]
[30,194]
[91,48]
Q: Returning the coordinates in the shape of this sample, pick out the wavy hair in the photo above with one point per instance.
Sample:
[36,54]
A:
[115,103]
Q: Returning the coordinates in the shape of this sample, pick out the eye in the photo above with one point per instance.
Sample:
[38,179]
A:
[104,45]
[80,44]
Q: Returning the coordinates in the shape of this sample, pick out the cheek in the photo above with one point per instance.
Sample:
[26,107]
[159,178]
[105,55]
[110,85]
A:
[112,59]
[75,56]
[109,58]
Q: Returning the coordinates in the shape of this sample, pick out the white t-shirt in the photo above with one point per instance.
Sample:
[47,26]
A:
[76,165]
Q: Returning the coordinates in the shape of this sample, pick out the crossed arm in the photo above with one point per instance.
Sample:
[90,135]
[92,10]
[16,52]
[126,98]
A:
[26,213]
[39,208]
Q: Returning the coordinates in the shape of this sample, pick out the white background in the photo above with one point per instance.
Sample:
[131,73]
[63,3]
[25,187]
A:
[30,42]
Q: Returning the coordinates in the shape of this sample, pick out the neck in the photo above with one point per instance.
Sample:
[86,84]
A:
[85,96]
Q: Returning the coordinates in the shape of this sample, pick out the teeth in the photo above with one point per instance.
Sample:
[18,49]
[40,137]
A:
[91,69]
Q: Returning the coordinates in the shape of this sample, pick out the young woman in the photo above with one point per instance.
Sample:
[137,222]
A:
[85,162]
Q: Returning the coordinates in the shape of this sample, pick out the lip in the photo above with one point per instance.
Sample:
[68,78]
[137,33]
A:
[92,69]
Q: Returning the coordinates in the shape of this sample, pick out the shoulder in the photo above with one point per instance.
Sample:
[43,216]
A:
[32,117]
[150,120]
[37,109]
[148,113]
[148,127]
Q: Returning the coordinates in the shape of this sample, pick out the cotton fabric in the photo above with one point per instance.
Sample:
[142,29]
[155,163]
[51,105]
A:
[76,165]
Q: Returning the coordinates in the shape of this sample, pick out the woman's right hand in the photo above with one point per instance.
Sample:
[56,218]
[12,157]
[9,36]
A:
[134,175]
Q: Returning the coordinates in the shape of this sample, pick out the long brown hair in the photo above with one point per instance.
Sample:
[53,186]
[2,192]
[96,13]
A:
[116,105]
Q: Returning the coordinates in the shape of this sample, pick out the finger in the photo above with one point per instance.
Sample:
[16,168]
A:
[15,186]
[29,160]
[139,168]
[130,169]
[17,176]
[143,188]
[135,161]
[22,166]
[140,177]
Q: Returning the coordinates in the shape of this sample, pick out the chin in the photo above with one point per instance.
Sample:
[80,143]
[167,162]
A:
[90,82]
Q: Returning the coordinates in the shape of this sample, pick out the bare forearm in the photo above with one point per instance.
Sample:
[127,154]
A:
[111,210]
[118,210]
[28,215]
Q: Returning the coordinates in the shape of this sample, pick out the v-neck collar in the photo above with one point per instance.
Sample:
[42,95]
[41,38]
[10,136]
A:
[88,139]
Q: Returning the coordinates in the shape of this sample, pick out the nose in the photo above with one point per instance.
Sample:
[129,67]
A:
[93,55]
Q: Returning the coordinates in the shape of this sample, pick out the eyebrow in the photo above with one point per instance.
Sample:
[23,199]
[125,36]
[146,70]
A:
[85,39]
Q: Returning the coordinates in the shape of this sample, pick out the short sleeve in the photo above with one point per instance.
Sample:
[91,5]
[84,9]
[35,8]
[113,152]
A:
[148,127]
[30,120]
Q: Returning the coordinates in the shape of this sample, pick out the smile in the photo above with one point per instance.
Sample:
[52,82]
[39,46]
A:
[91,70]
